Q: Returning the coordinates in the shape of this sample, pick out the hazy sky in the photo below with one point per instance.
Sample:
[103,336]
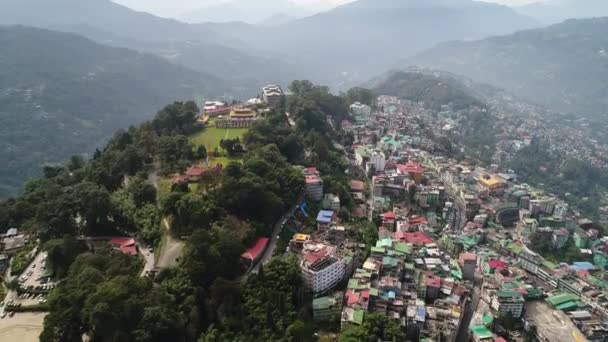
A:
[173,8]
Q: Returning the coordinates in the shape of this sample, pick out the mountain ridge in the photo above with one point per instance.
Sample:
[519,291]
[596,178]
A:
[62,94]
[563,66]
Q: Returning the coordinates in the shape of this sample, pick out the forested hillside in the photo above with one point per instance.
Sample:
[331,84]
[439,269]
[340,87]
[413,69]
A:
[563,67]
[434,90]
[61,95]
[208,297]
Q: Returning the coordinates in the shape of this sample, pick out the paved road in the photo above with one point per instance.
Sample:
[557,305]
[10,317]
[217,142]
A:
[148,256]
[172,250]
[471,307]
[460,206]
[272,244]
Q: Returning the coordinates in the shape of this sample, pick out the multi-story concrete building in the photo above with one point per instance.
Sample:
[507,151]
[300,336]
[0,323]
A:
[559,238]
[314,184]
[272,94]
[377,160]
[530,261]
[468,261]
[361,112]
[321,269]
[331,202]
[508,303]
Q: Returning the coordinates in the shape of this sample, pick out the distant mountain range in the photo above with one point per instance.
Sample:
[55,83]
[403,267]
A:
[61,95]
[555,11]
[339,47]
[563,67]
[354,41]
[252,12]
[201,47]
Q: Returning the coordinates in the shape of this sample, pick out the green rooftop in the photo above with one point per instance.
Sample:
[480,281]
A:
[403,247]
[373,292]
[378,250]
[322,303]
[509,294]
[515,248]
[562,298]
[567,306]
[487,319]
[358,315]
[384,243]
[481,332]
[390,262]
[534,293]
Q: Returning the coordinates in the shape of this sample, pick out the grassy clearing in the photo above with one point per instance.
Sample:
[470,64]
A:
[211,136]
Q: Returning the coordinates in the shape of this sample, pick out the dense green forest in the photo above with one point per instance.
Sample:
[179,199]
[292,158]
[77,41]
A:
[576,181]
[63,95]
[206,297]
[434,91]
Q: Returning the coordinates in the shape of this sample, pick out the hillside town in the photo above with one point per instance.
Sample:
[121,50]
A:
[445,249]
[460,248]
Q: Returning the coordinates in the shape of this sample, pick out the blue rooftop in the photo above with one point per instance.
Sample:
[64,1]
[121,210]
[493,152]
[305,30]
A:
[325,216]
[582,266]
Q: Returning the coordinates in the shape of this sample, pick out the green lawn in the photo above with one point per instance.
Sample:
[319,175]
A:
[210,136]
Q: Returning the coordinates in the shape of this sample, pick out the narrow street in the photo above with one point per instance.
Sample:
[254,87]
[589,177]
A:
[272,244]
[471,307]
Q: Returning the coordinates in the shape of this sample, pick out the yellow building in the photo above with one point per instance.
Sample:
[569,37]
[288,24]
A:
[241,112]
[491,181]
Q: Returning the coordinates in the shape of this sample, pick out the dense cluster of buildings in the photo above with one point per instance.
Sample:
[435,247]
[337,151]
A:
[452,230]
[409,279]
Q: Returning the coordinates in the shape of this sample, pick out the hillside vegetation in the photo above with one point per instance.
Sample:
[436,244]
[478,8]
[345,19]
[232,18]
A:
[563,67]
[61,95]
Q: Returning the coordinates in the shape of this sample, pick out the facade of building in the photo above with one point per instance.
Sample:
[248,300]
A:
[361,112]
[468,262]
[377,160]
[314,184]
[331,202]
[559,238]
[530,262]
[508,303]
[240,117]
[322,273]
[272,94]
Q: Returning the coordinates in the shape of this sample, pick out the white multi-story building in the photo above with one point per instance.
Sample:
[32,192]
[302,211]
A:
[360,109]
[377,160]
[272,94]
[331,202]
[530,261]
[321,269]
